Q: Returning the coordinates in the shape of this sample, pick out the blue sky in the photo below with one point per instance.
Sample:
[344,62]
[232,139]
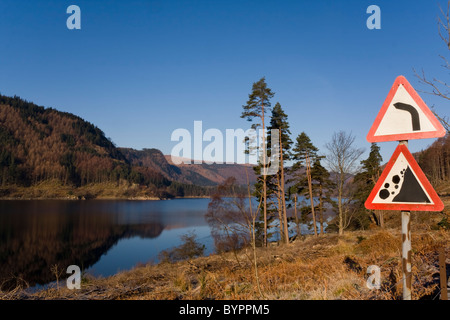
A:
[141,69]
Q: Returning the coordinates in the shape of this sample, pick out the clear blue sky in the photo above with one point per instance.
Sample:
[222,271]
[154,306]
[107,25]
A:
[140,69]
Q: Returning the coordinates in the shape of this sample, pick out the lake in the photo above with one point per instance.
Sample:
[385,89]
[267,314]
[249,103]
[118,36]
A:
[102,237]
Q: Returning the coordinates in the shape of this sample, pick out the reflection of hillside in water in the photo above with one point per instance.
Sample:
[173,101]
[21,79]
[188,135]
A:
[34,236]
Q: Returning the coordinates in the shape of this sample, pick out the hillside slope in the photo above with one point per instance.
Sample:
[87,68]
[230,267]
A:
[39,144]
[46,153]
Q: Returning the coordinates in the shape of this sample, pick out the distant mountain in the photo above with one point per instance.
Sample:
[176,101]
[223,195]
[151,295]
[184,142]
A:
[197,174]
[217,173]
[38,145]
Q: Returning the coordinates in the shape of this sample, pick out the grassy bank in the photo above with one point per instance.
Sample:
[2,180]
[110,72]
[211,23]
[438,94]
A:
[324,267]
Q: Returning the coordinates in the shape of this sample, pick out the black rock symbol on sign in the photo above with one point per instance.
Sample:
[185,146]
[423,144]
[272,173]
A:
[414,114]
[410,190]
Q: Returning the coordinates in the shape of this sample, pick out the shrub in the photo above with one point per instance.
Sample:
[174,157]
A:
[380,244]
[444,224]
[188,249]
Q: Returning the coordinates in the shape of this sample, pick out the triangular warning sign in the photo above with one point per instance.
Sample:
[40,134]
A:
[404,116]
[403,186]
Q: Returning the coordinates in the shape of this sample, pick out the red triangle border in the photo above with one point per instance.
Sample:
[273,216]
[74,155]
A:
[401,80]
[437,203]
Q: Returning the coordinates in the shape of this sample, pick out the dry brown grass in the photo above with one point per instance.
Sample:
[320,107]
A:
[326,267]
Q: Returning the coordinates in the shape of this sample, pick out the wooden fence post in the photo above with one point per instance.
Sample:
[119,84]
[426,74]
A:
[443,274]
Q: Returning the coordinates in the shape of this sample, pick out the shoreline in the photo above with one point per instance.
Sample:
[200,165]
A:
[328,267]
[54,190]
[99,198]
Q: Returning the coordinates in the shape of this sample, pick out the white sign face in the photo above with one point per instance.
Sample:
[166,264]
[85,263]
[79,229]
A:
[403,116]
[401,185]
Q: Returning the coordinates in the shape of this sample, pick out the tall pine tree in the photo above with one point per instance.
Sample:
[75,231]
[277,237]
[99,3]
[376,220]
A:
[365,181]
[304,152]
[256,107]
[279,121]
[322,189]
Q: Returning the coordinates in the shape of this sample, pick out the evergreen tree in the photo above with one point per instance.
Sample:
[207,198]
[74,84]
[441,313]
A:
[277,181]
[303,147]
[322,188]
[256,107]
[365,181]
[304,152]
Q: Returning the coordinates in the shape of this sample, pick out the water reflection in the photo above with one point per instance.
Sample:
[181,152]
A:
[34,235]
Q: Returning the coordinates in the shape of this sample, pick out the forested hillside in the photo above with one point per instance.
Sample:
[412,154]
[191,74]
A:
[435,162]
[40,145]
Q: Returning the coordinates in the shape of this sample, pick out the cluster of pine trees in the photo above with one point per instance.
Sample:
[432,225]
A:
[302,185]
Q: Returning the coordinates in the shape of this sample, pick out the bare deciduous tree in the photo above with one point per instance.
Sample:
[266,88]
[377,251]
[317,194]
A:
[437,86]
[233,223]
[342,161]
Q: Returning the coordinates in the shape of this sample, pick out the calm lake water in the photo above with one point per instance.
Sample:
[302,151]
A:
[102,237]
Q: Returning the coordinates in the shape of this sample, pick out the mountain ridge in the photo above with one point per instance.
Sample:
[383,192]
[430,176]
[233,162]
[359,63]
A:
[59,150]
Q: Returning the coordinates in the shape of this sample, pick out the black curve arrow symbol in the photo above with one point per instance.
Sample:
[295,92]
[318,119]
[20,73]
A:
[414,114]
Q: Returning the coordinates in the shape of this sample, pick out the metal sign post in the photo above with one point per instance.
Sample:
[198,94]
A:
[406,248]
[406,254]
[403,185]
